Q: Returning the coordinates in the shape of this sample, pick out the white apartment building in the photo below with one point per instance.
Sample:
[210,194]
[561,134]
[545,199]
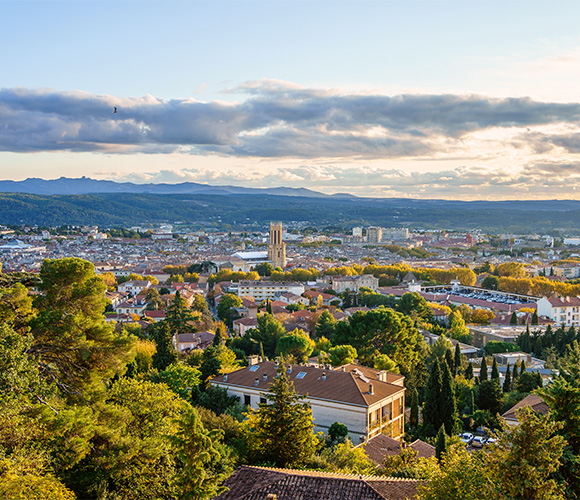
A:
[367,401]
[343,283]
[562,310]
[134,287]
[265,289]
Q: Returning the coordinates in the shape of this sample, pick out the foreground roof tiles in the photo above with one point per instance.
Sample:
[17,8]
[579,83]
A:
[256,483]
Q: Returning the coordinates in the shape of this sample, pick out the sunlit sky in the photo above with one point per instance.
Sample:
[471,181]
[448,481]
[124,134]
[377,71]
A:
[437,99]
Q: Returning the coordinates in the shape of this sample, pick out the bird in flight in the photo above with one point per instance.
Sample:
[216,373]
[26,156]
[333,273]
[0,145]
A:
[115,109]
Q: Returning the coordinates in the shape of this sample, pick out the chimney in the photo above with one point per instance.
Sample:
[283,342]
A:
[371,389]
[289,370]
[257,381]
[264,377]
[343,368]
[225,377]
[323,375]
[271,496]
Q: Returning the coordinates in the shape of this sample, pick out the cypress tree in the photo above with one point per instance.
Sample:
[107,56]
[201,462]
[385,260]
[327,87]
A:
[268,306]
[522,367]
[507,384]
[457,360]
[471,403]
[469,371]
[514,319]
[432,406]
[442,444]
[414,416]
[448,403]
[483,370]
[535,320]
[165,353]
[449,360]
[494,370]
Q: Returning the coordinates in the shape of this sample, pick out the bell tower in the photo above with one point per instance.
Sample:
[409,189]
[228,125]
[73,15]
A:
[276,247]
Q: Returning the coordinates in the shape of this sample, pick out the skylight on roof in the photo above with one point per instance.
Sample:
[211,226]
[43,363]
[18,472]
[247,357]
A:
[301,375]
[254,368]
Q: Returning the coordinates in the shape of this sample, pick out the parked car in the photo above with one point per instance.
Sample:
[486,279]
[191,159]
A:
[491,440]
[478,441]
[466,437]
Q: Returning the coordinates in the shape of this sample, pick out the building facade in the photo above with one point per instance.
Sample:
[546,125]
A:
[562,310]
[367,401]
[276,247]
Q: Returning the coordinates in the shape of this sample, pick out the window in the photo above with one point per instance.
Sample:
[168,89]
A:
[262,400]
[254,368]
[247,399]
[301,375]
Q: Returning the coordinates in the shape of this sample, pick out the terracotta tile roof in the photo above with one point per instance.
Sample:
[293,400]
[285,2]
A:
[380,446]
[345,387]
[534,401]
[255,483]
[564,301]
[424,449]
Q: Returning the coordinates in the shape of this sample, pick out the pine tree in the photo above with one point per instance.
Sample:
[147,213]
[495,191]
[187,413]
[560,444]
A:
[165,354]
[507,384]
[483,370]
[442,444]
[281,430]
[179,317]
[469,371]
[494,370]
[457,360]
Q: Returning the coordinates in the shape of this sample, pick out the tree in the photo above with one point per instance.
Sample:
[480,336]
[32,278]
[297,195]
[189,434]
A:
[535,319]
[180,378]
[457,328]
[469,371]
[341,355]
[383,362]
[381,331]
[457,358]
[514,319]
[448,404]
[441,444]
[221,334]
[281,430]
[483,370]
[526,457]
[337,432]
[412,304]
[227,302]
[507,384]
[490,282]
[73,344]
[440,406]
[346,458]
[324,325]
[489,396]
[165,353]
[494,370]
[201,458]
[296,344]
[210,364]
[264,269]
[179,316]
[269,332]
[414,404]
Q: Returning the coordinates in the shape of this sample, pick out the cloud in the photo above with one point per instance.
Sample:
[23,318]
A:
[283,120]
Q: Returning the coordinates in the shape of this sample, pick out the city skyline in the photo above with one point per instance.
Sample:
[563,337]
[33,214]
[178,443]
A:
[390,99]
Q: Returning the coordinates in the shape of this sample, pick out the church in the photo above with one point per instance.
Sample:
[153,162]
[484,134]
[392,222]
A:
[275,255]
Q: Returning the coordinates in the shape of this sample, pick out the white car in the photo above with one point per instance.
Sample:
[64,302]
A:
[478,442]
[466,437]
[491,441]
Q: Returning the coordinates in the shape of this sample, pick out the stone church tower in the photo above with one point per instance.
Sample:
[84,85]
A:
[276,247]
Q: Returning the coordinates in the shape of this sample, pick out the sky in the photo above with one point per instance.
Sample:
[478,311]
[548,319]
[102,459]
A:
[453,99]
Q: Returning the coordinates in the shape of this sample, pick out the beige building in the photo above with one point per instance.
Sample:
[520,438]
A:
[276,247]
[367,401]
[262,290]
[562,310]
[374,234]
[343,283]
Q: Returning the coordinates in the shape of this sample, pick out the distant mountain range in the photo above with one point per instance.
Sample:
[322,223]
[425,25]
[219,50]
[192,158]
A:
[111,204]
[85,185]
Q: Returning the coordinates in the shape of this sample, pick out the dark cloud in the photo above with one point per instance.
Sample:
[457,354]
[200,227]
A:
[275,120]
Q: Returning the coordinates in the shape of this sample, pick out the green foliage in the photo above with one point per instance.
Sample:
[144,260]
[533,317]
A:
[201,458]
[268,333]
[73,345]
[457,328]
[347,459]
[224,308]
[383,362]
[489,396]
[440,405]
[281,431]
[179,316]
[325,325]
[341,355]
[490,282]
[528,382]
[414,404]
[165,353]
[527,456]
[337,432]
[412,304]
[180,378]
[441,444]
[295,344]
[496,347]
[380,331]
